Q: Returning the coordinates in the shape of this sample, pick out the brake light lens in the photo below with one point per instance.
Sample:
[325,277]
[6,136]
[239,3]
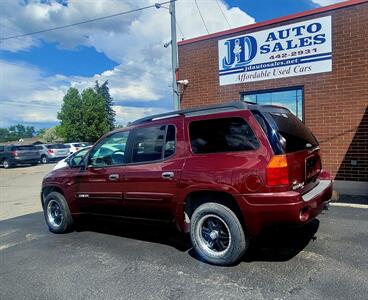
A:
[277,172]
[51,151]
[14,153]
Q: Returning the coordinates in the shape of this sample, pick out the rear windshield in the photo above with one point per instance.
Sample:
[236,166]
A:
[292,135]
[57,146]
[25,147]
[77,145]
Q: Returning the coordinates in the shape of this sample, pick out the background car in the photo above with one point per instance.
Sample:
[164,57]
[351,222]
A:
[74,147]
[75,158]
[52,152]
[12,155]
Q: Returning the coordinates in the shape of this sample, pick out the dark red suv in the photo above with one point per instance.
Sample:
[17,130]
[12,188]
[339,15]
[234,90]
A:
[222,173]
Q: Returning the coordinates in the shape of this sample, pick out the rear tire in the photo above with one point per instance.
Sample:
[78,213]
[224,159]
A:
[7,164]
[57,213]
[223,242]
[44,159]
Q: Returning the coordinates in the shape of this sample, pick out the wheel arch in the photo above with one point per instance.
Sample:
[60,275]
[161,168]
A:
[199,197]
[47,190]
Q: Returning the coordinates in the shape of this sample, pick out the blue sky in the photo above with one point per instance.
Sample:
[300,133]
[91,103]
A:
[36,71]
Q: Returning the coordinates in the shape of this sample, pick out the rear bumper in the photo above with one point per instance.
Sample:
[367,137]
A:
[266,209]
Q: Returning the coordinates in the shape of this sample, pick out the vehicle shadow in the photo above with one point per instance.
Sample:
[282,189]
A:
[274,244]
[153,233]
[281,244]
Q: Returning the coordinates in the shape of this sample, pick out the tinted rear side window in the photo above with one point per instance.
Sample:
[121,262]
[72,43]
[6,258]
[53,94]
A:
[25,147]
[221,135]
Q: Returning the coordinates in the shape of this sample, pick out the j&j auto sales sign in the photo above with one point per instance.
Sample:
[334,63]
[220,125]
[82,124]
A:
[292,50]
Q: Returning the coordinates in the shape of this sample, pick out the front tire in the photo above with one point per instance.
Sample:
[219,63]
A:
[57,213]
[217,234]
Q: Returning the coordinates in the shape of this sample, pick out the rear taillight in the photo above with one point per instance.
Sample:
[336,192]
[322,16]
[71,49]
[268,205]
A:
[14,153]
[50,151]
[277,172]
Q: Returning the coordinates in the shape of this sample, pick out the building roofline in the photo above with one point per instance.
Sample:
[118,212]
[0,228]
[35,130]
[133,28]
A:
[272,21]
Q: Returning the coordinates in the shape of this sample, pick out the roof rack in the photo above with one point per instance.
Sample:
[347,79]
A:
[223,107]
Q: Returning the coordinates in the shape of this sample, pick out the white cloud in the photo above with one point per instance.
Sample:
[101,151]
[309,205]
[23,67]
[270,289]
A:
[134,41]
[326,2]
[124,115]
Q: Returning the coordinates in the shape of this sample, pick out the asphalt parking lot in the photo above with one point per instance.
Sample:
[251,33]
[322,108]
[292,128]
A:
[102,260]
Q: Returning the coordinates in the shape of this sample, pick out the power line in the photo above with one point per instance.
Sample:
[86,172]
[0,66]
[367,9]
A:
[85,21]
[177,23]
[204,23]
[227,21]
[181,31]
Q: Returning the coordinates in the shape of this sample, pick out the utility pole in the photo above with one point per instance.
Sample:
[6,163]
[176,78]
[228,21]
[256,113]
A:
[174,56]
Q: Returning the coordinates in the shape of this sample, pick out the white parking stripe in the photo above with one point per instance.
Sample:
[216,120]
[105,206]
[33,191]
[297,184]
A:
[349,205]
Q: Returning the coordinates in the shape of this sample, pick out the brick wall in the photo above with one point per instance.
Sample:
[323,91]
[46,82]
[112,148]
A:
[335,103]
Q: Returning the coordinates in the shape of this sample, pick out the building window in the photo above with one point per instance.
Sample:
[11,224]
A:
[291,98]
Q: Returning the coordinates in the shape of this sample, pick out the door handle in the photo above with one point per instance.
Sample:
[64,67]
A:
[113,177]
[167,175]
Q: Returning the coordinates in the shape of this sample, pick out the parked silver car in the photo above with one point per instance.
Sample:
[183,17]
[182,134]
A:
[52,152]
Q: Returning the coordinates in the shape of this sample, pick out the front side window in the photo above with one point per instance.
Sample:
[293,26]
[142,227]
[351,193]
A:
[78,157]
[110,151]
[289,98]
[222,135]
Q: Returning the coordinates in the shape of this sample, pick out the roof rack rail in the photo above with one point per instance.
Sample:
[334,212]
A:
[223,107]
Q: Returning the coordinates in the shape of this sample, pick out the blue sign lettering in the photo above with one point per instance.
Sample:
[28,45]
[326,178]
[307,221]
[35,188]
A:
[240,52]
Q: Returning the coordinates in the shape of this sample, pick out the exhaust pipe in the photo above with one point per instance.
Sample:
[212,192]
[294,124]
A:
[326,206]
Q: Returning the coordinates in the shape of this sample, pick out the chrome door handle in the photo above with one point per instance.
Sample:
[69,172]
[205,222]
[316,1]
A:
[114,176]
[167,175]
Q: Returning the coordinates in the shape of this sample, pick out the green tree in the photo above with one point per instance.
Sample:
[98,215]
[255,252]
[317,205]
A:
[95,122]
[41,132]
[16,132]
[50,135]
[70,116]
[4,135]
[104,91]
[82,117]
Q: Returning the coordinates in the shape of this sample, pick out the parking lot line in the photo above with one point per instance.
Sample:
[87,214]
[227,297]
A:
[353,205]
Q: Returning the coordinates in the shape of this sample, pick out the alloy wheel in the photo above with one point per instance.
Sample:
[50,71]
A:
[213,235]
[54,213]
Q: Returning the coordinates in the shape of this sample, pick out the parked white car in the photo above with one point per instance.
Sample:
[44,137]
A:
[74,147]
[77,157]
